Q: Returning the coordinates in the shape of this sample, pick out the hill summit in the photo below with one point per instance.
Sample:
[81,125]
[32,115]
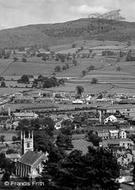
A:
[67,32]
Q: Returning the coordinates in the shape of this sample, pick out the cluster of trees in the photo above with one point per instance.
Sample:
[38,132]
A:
[118,68]
[90,68]
[46,124]
[42,128]
[7,166]
[41,81]
[98,169]
[46,82]
[129,57]
[64,139]
[108,53]
[2,139]
[5,53]
[24,59]
[24,79]
[59,68]
[94,81]
[93,137]
[79,91]
[2,82]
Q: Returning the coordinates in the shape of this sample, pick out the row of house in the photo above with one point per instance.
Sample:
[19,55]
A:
[112,134]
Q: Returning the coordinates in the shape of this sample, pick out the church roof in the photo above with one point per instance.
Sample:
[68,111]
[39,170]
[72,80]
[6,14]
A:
[31,157]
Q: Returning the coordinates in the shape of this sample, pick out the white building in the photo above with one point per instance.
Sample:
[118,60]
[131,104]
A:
[25,115]
[111,118]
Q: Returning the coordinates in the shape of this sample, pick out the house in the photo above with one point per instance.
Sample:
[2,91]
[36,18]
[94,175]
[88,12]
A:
[111,118]
[114,134]
[31,164]
[58,124]
[125,159]
[77,101]
[104,134]
[117,143]
[122,134]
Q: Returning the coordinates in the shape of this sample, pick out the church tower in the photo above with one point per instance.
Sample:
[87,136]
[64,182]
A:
[27,141]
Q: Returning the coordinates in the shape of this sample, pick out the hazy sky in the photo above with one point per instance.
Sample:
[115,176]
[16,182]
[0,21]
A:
[23,12]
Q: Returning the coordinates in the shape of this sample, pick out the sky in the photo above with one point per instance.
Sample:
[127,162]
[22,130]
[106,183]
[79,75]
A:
[14,13]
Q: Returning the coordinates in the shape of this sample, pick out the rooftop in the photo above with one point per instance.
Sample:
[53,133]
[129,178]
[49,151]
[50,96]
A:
[82,145]
[30,157]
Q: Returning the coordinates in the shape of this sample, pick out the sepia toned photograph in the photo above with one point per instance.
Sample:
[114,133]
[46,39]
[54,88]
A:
[67,94]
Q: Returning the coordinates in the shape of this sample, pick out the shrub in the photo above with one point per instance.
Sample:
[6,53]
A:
[94,81]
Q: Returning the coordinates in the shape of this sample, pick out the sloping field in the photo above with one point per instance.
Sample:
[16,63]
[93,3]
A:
[88,87]
[33,66]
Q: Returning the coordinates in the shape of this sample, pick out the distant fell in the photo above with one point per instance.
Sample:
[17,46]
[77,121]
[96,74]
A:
[67,32]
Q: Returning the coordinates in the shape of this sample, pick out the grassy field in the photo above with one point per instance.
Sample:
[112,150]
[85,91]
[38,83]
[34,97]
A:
[33,66]
[88,87]
[109,78]
[11,90]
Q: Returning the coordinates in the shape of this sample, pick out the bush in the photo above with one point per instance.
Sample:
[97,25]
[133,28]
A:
[24,79]
[91,68]
[24,60]
[83,73]
[94,81]
[3,84]
[73,45]
[118,68]
[57,68]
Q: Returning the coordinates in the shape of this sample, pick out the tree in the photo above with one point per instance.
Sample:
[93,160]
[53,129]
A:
[64,141]
[79,90]
[24,60]
[24,125]
[57,68]
[94,81]
[67,66]
[3,84]
[134,173]
[11,151]
[91,68]
[42,141]
[2,79]
[93,137]
[2,138]
[6,164]
[83,73]
[98,169]
[74,62]
[14,138]
[129,57]
[24,79]
[73,45]
[129,43]
[15,59]
[64,68]
[48,125]
[118,68]
[61,81]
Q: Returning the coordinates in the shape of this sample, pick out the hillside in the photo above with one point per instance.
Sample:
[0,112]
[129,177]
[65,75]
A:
[61,33]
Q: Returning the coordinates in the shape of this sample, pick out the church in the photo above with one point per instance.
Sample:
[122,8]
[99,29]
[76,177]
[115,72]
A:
[31,162]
